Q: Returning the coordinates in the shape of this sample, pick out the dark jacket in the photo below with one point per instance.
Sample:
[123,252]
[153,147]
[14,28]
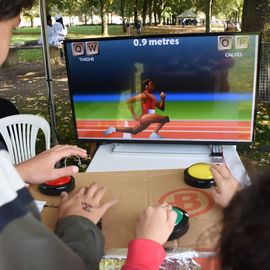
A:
[6,109]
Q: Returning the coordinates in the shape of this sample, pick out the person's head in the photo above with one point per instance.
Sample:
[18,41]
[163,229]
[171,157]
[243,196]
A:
[59,19]
[245,238]
[148,85]
[9,19]
[49,20]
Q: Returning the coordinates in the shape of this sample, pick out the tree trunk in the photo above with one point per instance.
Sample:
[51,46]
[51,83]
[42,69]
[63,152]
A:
[92,15]
[144,11]
[135,11]
[150,11]
[104,22]
[159,12]
[256,14]
[155,12]
[32,21]
[208,17]
[122,12]
[85,18]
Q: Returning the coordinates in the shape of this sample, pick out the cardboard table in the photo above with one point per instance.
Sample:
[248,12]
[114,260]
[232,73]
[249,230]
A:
[135,191]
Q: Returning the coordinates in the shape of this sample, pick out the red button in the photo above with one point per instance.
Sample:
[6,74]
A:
[59,181]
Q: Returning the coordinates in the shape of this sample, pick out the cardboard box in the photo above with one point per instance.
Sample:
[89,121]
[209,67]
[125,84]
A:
[137,190]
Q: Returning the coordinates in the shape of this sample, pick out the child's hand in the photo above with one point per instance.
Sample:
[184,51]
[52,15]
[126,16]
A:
[86,202]
[156,223]
[226,185]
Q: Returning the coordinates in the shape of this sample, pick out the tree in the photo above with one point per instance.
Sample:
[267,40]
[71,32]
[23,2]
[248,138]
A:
[150,11]
[32,13]
[208,15]
[256,15]
[86,8]
[159,7]
[123,12]
[104,7]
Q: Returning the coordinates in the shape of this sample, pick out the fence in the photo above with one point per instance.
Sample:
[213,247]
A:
[264,73]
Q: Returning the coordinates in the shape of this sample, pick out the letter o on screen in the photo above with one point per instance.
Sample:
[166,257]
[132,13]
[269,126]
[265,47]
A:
[225,43]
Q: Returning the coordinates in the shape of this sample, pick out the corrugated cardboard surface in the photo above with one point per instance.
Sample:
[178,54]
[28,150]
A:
[135,191]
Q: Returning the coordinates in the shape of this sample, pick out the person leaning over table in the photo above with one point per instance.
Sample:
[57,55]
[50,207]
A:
[245,235]
[24,242]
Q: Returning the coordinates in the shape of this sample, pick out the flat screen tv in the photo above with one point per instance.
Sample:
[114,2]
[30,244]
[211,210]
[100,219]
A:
[171,88]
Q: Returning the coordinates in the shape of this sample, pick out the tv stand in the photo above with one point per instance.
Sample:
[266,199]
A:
[107,159]
[161,149]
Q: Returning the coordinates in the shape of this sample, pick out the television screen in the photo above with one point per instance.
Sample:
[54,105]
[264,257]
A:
[170,88]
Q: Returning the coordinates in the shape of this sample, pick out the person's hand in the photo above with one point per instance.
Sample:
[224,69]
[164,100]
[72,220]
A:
[226,185]
[85,202]
[162,95]
[156,223]
[41,168]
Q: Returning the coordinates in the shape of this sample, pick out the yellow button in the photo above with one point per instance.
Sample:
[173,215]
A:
[200,171]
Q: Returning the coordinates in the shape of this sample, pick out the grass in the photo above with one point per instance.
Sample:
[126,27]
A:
[20,35]
[23,35]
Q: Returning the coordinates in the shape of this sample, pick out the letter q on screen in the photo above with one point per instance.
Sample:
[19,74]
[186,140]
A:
[77,48]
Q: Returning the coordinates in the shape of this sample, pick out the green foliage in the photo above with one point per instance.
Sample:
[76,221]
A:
[259,150]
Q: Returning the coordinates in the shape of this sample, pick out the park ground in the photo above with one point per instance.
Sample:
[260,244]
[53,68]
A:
[25,86]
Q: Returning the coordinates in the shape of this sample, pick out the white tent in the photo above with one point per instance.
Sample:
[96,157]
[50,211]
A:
[187,14]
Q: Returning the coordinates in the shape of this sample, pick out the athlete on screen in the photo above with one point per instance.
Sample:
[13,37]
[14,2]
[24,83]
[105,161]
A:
[149,116]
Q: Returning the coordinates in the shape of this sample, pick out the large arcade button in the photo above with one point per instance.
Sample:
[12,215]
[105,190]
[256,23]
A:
[181,225]
[57,186]
[199,175]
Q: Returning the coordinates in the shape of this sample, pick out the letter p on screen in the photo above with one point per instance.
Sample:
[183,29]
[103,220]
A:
[241,42]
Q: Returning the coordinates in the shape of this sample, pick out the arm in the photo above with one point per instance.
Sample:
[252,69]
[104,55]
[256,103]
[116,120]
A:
[161,104]
[83,237]
[130,103]
[144,254]
[153,229]
[226,185]
[41,167]
[59,29]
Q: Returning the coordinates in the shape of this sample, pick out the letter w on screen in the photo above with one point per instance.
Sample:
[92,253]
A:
[92,48]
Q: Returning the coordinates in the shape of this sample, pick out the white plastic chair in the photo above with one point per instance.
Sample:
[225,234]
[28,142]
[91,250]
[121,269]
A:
[20,135]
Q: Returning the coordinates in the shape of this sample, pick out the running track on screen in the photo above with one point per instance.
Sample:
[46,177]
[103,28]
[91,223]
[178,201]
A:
[204,130]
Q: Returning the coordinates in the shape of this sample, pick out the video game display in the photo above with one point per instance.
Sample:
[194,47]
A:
[172,88]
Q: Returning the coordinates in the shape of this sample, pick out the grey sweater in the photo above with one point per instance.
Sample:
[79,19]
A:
[26,244]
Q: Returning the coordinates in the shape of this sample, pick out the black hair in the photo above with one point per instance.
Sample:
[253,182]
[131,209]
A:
[245,237]
[146,82]
[49,17]
[60,20]
[11,8]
